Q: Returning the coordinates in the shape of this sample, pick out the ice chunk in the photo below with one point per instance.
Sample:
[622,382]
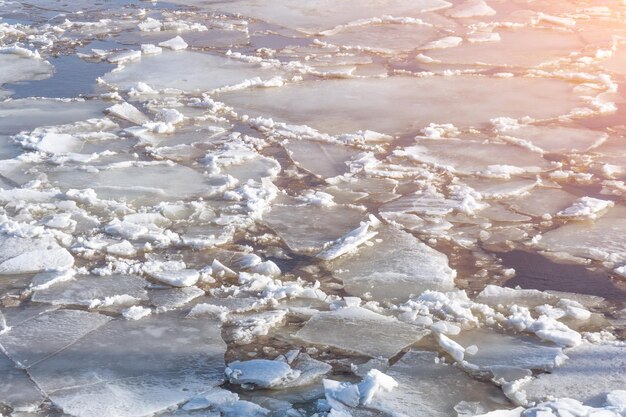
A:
[359,330]
[428,388]
[395,266]
[191,69]
[601,240]
[325,160]
[35,340]
[586,208]
[467,157]
[502,354]
[19,64]
[590,373]
[21,255]
[345,106]
[323,225]
[131,368]
[561,139]
[177,278]
[543,201]
[128,112]
[94,291]
[260,373]
[176,44]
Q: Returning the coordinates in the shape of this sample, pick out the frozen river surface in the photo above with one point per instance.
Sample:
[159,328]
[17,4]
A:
[323,208]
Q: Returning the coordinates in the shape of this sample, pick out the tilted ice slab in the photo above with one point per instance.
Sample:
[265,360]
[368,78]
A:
[187,71]
[601,240]
[325,160]
[135,368]
[345,106]
[356,329]
[428,388]
[590,373]
[319,15]
[470,157]
[22,255]
[395,266]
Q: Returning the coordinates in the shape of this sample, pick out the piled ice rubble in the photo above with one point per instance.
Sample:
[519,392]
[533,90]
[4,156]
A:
[296,209]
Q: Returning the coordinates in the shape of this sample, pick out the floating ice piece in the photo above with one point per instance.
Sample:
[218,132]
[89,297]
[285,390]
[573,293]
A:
[601,240]
[471,8]
[542,201]
[325,160]
[35,340]
[177,278]
[428,388]
[591,372]
[124,57]
[467,157]
[94,291]
[350,241]
[175,44]
[443,43]
[134,368]
[495,295]
[343,106]
[27,114]
[20,64]
[515,48]
[386,38]
[324,224]
[21,255]
[353,395]
[359,330]
[191,69]
[560,139]
[395,266]
[586,208]
[322,15]
[260,373]
[507,356]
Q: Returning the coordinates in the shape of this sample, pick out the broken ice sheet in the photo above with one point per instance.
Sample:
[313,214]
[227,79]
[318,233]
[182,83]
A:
[523,47]
[153,363]
[37,339]
[346,106]
[325,160]
[17,390]
[22,255]
[507,355]
[467,157]
[195,72]
[559,139]
[323,225]
[395,266]
[543,201]
[94,291]
[20,64]
[601,240]
[591,372]
[356,329]
[387,38]
[315,17]
[428,387]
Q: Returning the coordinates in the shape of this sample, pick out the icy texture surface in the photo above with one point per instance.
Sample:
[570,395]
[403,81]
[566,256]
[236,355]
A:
[315,208]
